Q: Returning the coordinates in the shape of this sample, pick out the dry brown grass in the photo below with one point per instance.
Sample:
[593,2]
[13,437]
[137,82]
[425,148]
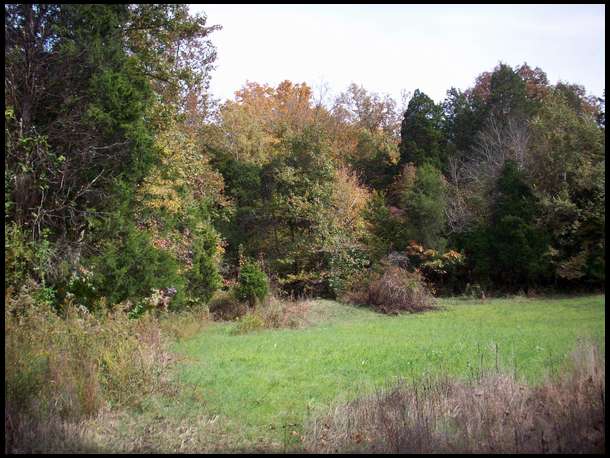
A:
[61,371]
[275,313]
[495,414]
[25,433]
[185,324]
[278,313]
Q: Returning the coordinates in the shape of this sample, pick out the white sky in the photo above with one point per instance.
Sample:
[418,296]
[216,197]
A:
[388,48]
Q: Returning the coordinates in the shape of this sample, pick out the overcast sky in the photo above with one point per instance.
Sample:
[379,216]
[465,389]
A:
[388,48]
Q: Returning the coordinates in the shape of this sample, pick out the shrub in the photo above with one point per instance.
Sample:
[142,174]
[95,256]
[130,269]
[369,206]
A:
[398,290]
[306,284]
[252,284]
[203,278]
[248,323]
[356,290]
[443,270]
[474,291]
[274,314]
[225,306]
[131,267]
[24,258]
[277,313]
[389,288]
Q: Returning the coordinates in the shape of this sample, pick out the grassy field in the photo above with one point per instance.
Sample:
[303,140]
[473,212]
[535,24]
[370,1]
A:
[254,390]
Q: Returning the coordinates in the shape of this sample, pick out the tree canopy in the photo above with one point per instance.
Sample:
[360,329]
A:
[123,175]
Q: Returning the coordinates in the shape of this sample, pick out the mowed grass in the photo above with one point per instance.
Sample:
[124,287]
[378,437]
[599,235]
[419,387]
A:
[257,383]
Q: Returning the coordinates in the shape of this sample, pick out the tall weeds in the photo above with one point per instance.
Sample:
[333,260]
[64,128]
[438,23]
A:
[60,370]
[495,413]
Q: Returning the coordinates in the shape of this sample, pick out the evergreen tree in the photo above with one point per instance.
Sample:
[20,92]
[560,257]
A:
[518,246]
[421,132]
[424,203]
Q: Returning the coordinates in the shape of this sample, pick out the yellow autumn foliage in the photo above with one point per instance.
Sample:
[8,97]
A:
[349,199]
[183,166]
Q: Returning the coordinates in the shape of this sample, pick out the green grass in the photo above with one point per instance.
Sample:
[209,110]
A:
[258,382]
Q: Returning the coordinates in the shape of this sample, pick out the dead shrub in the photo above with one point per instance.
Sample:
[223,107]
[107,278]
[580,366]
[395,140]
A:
[274,314]
[225,306]
[496,414]
[277,313]
[397,290]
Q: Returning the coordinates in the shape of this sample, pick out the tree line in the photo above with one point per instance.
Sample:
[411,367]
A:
[123,175]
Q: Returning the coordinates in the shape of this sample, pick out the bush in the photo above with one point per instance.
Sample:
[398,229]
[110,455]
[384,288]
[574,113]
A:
[131,267]
[445,271]
[398,290]
[356,290]
[274,313]
[203,278]
[277,313]
[248,323]
[225,306]
[24,258]
[474,291]
[252,284]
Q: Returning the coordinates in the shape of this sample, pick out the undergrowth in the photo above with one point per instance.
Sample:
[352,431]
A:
[60,370]
[493,414]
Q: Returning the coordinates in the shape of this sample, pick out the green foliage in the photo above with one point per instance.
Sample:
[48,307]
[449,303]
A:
[297,191]
[511,250]
[576,98]
[108,84]
[248,323]
[520,252]
[443,272]
[111,116]
[519,246]
[103,101]
[421,133]
[130,267]
[203,277]
[343,266]
[25,258]
[376,158]
[252,284]
[386,231]
[425,204]
[508,96]
[243,185]
[568,172]
[477,244]
[463,119]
